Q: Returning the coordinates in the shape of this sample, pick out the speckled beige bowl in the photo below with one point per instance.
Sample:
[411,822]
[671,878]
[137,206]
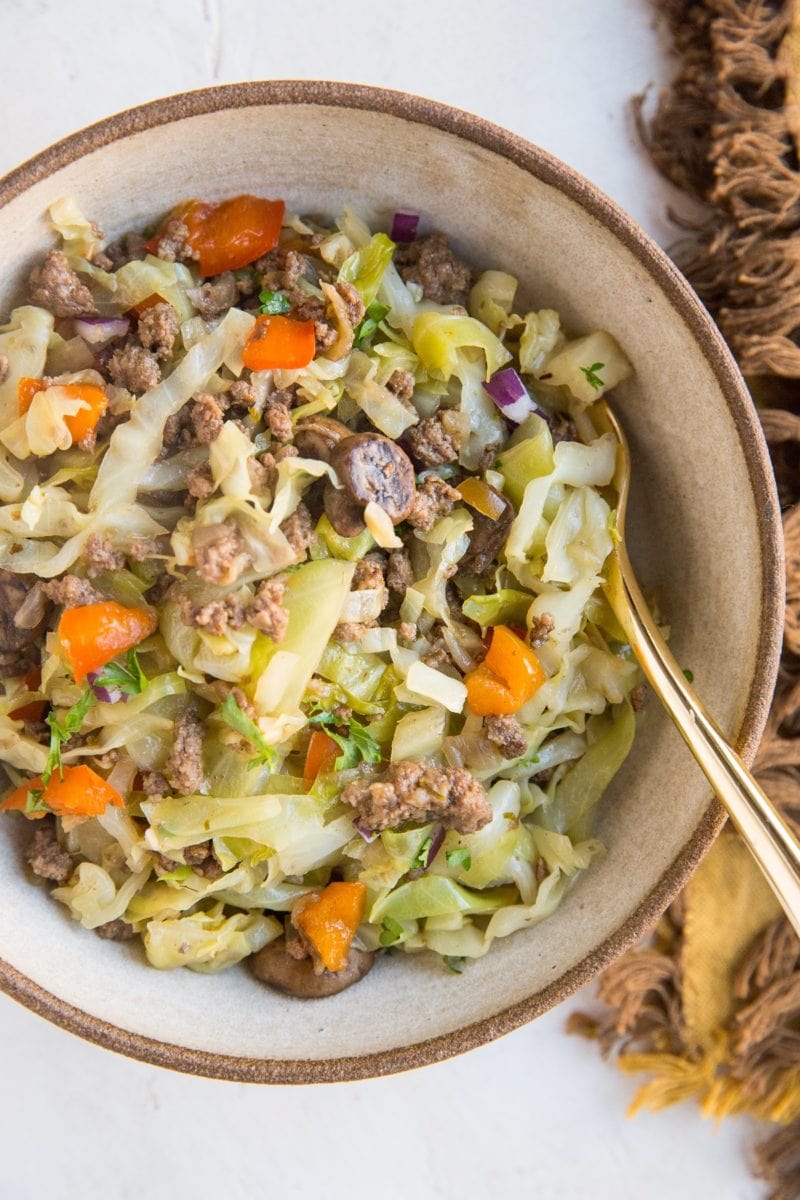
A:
[704,526]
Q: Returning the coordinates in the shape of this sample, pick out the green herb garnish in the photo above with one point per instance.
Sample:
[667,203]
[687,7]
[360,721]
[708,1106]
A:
[373,316]
[274,304]
[592,377]
[62,731]
[420,860]
[357,746]
[689,675]
[128,677]
[460,858]
[232,715]
[454,962]
[391,930]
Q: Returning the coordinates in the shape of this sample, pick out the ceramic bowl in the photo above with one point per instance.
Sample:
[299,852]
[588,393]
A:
[704,528]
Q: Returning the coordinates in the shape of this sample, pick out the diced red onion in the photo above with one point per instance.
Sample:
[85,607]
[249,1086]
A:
[437,837]
[96,330]
[511,396]
[404,226]
[369,835]
[104,694]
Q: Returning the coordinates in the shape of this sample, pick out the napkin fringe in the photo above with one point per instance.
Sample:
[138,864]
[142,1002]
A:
[726,133]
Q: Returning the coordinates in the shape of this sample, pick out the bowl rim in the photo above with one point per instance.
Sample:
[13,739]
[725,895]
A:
[689,308]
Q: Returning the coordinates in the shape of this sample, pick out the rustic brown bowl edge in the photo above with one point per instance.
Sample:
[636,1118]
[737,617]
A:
[551,171]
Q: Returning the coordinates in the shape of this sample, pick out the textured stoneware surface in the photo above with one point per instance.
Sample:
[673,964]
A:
[704,530]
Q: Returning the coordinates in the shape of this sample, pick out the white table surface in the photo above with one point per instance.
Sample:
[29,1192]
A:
[537,1114]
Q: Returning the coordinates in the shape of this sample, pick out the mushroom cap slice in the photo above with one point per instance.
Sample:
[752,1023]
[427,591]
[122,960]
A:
[280,970]
[373,467]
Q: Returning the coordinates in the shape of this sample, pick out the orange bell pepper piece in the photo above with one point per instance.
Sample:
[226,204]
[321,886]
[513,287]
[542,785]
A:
[320,757]
[84,420]
[35,709]
[481,497]
[506,679]
[227,236]
[81,793]
[279,342]
[92,634]
[329,919]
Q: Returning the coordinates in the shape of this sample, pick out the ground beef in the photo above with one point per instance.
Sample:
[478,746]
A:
[173,242]
[266,612]
[207,418]
[508,735]
[184,767]
[259,476]
[270,460]
[541,629]
[279,420]
[431,263]
[241,394]
[638,697]
[200,481]
[401,383]
[408,791]
[351,631]
[56,287]
[134,368]
[158,329]
[311,308]
[143,548]
[116,931]
[72,592]
[3,368]
[101,555]
[216,616]
[216,296]
[400,573]
[220,551]
[367,576]
[19,649]
[298,529]
[203,860]
[434,499]
[407,631]
[128,248]
[564,430]
[430,444]
[45,855]
[353,304]
[154,783]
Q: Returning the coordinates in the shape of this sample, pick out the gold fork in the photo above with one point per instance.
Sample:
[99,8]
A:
[769,838]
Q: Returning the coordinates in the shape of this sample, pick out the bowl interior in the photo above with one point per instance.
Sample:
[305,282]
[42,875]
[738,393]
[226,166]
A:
[700,513]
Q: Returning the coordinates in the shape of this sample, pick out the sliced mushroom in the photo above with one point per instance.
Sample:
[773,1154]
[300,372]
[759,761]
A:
[346,517]
[280,970]
[373,467]
[317,436]
[488,536]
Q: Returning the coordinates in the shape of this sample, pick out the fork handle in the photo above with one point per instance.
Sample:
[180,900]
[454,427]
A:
[767,834]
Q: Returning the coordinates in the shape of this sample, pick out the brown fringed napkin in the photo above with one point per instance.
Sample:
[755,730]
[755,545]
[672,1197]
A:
[710,1009]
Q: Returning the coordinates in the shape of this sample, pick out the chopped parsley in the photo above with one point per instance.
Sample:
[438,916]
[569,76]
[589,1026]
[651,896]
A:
[357,745]
[592,377]
[274,304]
[232,715]
[128,676]
[391,930]
[373,316]
[459,858]
[688,675]
[420,860]
[62,731]
[454,962]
